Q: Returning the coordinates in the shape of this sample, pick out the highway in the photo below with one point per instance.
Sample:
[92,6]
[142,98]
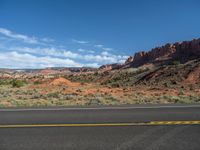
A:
[136,127]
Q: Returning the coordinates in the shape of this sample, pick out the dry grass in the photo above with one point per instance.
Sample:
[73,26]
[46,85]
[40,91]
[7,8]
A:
[48,94]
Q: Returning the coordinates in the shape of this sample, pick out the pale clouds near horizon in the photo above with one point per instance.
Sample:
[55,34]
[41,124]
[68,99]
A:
[33,52]
[8,33]
[31,61]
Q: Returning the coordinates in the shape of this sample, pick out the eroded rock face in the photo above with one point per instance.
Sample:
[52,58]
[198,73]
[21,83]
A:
[182,51]
[110,66]
[129,60]
[140,55]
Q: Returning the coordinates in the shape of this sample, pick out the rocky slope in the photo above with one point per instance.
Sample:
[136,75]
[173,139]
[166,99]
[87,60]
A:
[183,75]
[109,67]
[180,51]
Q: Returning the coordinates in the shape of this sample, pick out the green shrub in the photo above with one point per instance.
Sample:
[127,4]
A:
[181,92]
[18,83]
[53,95]
[176,62]
[4,82]
[37,82]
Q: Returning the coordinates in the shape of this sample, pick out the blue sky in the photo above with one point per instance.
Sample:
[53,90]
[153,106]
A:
[75,33]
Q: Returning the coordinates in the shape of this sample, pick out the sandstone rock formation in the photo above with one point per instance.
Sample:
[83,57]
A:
[182,51]
[110,67]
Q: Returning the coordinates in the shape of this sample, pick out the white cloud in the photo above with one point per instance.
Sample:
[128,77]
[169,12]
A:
[70,54]
[48,40]
[102,47]
[84,50]
[107,49]
[8,33]
[45,53]
[98,46]
[80,42]
[24,38]
[91,51]
[100,58]
[105,53]
[93,65]
[103,58]
[81,50]
[17,60]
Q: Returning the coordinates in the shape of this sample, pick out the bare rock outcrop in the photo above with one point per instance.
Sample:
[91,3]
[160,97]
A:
[182,51]
[110,66]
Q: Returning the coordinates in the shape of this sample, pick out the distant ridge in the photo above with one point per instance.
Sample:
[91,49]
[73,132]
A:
[180,51]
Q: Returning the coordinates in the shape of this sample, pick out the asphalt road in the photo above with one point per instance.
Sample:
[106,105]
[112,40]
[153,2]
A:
[103,128]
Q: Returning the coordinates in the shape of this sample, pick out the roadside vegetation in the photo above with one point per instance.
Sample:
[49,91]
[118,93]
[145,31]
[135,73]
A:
[176,83]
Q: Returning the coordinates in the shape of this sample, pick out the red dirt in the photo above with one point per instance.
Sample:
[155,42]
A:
[194,76]
[63,81]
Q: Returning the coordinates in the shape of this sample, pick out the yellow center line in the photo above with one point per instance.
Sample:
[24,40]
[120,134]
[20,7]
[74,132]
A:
[173,122]
[151,123]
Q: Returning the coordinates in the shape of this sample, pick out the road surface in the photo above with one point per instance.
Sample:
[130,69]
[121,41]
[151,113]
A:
[140,127]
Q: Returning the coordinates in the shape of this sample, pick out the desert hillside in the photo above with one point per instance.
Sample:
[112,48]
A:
[166,74]
[181,51]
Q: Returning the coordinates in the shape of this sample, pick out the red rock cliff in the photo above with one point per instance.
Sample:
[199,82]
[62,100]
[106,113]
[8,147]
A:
[182,51]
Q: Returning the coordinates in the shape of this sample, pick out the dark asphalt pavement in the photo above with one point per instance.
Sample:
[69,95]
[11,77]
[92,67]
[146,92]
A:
[159,137]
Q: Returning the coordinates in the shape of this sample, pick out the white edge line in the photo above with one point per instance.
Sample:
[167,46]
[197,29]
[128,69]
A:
[99,108]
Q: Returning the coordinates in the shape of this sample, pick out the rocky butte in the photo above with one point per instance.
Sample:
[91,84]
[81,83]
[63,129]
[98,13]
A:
[181,51]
